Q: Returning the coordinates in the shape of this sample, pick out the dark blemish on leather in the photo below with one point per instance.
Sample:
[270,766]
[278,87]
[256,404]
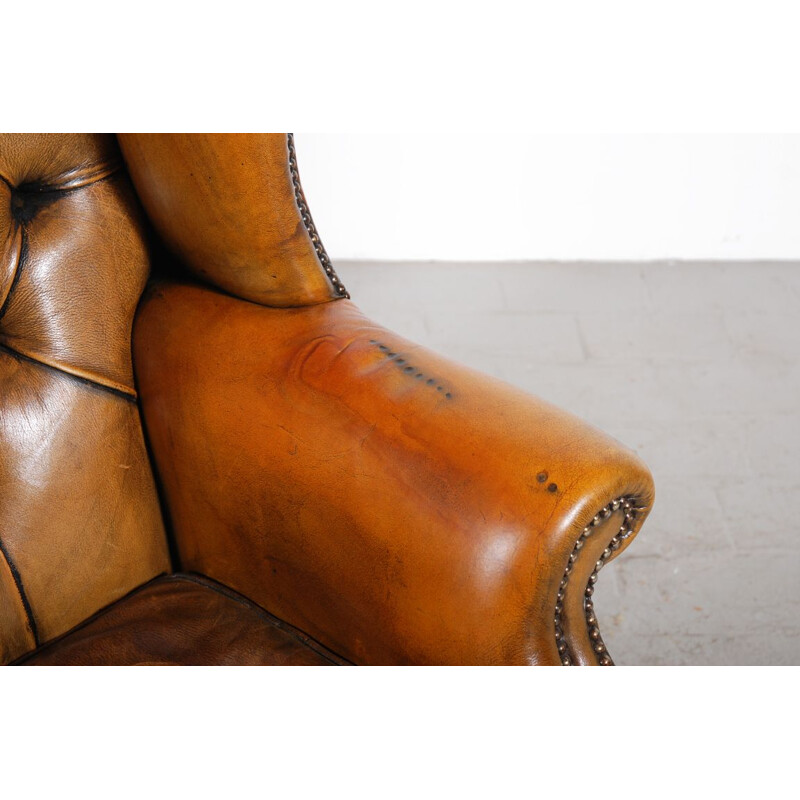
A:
[552,488]
[541,477]
[409,368]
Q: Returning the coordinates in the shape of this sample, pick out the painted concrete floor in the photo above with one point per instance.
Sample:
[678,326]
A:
[694,365]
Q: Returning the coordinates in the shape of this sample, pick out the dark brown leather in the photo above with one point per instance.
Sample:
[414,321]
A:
[80,523]
[396,506]
[225,203]
[183,620]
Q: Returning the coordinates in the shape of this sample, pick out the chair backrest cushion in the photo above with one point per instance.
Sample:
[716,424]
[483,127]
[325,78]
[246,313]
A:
[80,524]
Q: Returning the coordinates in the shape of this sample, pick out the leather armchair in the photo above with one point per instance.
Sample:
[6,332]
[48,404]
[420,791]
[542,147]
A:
[253,472]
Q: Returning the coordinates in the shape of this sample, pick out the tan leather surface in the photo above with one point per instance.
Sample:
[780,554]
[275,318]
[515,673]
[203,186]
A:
[80,523]
[396,506]
[55,160]
[183,620]
[16,635]
[78,318]
[225,204]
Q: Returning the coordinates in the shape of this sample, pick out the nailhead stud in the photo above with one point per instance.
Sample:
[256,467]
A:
[591,620]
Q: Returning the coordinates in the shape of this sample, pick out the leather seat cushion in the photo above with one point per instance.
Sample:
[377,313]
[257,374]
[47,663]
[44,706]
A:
[183,619]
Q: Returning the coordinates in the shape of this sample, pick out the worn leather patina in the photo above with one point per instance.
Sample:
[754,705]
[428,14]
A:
[339,494]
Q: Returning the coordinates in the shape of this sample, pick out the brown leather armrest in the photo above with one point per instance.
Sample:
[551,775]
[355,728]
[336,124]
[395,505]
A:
[397,507]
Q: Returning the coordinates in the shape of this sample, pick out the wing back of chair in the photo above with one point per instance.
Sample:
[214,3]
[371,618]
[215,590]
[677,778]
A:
[80,524]
[231,208]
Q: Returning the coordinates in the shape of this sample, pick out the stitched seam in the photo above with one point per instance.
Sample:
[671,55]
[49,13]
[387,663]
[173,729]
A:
[199,580]
[88,621]
[21,590]
[131,398]
[188,280]
[231,594]
[630,508]
[166,516]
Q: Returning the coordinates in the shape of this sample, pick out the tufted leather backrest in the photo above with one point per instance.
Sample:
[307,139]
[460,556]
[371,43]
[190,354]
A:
[80,524]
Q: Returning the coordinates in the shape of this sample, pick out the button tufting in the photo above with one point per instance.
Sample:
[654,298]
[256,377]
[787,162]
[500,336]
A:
[26,205]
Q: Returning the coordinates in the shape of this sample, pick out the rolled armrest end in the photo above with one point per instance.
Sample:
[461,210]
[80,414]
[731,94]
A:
[396,506]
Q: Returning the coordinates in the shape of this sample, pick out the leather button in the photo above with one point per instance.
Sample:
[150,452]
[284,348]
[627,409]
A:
[26,205]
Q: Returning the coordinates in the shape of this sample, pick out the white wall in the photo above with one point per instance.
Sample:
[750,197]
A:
[515,196]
